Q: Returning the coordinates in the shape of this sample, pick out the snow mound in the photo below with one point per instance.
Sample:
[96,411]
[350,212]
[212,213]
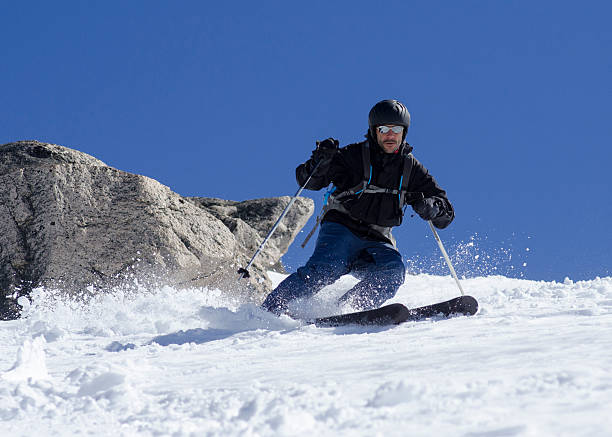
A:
[535,360]
[30,364]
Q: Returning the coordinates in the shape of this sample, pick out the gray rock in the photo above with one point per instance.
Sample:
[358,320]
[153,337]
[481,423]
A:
[70,222]
[251,220]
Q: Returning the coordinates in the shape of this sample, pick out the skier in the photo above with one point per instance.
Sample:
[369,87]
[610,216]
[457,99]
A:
[373,181]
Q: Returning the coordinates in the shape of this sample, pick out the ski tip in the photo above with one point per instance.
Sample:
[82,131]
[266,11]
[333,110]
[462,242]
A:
[469,305]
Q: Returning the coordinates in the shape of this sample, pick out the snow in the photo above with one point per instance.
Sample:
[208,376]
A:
[535,361]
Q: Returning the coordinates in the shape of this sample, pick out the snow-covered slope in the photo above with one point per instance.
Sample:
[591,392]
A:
[536,360]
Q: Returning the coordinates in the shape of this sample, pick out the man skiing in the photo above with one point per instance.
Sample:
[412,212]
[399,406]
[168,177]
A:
[373,181]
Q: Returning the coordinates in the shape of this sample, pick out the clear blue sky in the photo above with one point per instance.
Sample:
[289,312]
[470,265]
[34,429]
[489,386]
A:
[510,102]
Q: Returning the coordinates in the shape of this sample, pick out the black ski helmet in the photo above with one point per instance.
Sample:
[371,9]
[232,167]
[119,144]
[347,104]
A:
[389,112]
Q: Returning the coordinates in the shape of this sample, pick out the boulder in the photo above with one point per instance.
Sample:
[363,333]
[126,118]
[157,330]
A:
[70,222]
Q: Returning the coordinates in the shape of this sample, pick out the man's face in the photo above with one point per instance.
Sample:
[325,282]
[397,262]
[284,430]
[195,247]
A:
[389,141]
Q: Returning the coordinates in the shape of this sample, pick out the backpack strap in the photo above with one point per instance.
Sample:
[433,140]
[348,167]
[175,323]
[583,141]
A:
[362,186]
[405,179]
[367,165]
[408,197]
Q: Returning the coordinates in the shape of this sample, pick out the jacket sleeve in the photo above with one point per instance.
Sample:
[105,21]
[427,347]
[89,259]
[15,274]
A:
[319,179]
[421,181]
[325,173]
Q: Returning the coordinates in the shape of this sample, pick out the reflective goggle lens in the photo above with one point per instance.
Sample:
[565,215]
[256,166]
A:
[395,129]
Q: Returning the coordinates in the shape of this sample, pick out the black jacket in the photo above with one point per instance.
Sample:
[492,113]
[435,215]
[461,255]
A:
[346,171]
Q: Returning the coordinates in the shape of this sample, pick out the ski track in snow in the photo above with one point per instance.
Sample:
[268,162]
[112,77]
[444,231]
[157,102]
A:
[535,361]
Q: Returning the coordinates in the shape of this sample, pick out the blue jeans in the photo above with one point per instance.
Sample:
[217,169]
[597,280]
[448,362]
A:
[338,252]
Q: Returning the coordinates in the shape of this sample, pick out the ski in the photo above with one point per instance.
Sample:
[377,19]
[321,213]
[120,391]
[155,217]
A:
[462,305]
[392,314]
[396,313]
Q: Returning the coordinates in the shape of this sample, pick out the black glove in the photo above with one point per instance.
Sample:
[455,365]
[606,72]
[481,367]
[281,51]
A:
[323,155]
[428,208]
[325,151]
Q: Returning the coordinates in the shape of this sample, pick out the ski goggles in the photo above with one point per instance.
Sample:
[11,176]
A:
[395,129]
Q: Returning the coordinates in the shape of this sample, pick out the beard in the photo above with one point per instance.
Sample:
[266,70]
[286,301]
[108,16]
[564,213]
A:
[389,146]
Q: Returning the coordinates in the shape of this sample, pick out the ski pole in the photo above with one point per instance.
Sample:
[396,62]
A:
[244,272]
[448,262]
